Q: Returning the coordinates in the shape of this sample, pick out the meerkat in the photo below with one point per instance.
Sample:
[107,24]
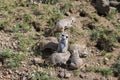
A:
[102,6]
[59,58]
[63,24]
[75,60]
[82,50]
[63,43]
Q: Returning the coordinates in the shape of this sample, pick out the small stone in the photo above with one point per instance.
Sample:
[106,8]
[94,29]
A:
[106,59]
[24,78]
[0,64]
[5,73]
[95,78]
[61,74]
[67,75]
[37,60]
[67,13]
[83,76]
[10,71]
[8,76]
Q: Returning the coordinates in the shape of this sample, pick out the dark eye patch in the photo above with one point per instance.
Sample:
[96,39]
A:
[66,36]
[62,35]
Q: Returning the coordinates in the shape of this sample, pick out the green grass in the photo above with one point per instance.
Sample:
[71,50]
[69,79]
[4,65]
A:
[3,25]
[116,68]
[104,71]
[50,1]
[42,75]
[76,72]
[112,14]
[7,53]
[105,38]
[13,59]
[24,44]
[66,7]
[74,30]
[21,27]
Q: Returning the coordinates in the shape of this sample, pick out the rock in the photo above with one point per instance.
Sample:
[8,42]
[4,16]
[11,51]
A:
[59,58]
[10,71]
[5,73]
[61,74]
[37,60]
[114,3]
[0,64]
[67,75]
[102,6]
[83,13]
[67,13]
[83,76]
[48,42]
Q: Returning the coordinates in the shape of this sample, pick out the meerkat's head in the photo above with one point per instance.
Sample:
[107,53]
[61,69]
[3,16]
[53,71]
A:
[73,19]
[84,53]
[63,37]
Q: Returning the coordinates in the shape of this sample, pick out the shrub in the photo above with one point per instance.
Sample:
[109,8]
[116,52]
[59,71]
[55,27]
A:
[105,39]
[104,71]
[116,68]
[66,7]
[42,75]
[7,54]
[3,25]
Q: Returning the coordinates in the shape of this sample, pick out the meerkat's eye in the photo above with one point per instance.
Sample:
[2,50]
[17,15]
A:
[66,36]
[62,35]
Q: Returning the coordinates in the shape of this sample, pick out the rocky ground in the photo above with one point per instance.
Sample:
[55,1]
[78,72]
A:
[23,25]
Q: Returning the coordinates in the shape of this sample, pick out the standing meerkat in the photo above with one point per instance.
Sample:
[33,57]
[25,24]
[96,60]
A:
[63,43]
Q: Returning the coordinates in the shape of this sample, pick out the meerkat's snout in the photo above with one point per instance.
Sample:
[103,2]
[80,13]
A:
[64,37]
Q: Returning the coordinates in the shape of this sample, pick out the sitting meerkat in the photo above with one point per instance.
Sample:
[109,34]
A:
[82,50]
[63,43]
[59,58]
[75,60]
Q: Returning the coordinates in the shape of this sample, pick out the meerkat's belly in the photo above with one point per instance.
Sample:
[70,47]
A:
[62,48]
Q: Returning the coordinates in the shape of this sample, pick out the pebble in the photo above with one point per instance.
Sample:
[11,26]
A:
[83,76]
[10,71]
[67,75]
[61,74]
[37,60]
[67,14]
